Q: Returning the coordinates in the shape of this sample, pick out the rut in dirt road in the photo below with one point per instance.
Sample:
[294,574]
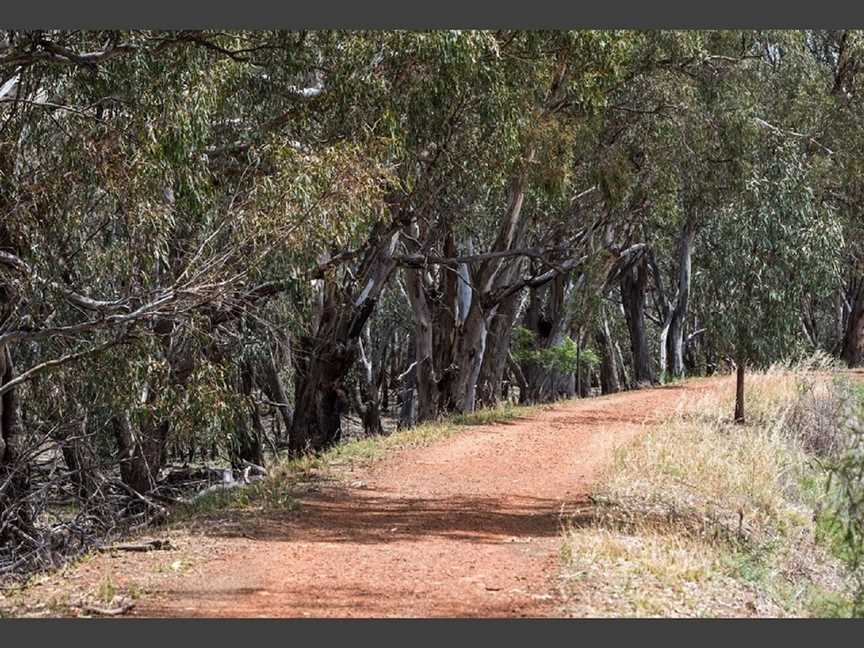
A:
[469,526]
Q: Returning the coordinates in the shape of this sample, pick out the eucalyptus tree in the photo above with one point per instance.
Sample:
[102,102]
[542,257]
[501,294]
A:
[771,246]
[142,208]
[413,94]
[565,78]
[771,231]
[198,226]
[87,212]
[834,115]
[806,90]
[52,210]
[462,133]
[674,154]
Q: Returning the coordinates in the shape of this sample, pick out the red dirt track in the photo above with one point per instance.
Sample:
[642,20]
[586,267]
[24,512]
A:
[466,527]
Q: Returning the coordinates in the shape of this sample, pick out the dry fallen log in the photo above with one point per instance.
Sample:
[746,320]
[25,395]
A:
[254,469]
[149,545]
[113,611]
[184,475]
[251,474]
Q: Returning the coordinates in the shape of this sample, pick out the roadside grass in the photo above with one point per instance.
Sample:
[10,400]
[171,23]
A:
[287,477]
[703,517]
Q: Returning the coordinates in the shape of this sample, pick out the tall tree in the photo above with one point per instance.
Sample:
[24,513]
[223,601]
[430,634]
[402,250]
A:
[767,251]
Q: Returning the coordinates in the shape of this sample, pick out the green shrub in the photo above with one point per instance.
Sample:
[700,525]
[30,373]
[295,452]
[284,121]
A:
[843,522]
[565,357]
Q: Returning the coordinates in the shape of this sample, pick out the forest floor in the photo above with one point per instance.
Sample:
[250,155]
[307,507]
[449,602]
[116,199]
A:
[467,526]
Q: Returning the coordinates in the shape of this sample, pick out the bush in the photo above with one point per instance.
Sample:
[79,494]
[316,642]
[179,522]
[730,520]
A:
[565,357]
[817,417]
[844,520]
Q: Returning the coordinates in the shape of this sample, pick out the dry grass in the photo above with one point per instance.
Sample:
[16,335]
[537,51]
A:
[652,573]
[702,517]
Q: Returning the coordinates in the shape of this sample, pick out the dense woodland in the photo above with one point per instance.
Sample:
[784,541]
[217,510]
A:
[216,248]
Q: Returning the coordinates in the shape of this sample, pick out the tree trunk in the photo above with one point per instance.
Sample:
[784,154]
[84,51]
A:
[853,340]
[739,392]
[679,313]
[141,454]
[468,355]
[384,386]
[367,395]
[471,333]
[78,454]
[549,319]
[519,377]
[663,346]
[426,381]
[320,396]
[271,384]
[454,299]
[584,383]
[248,437]
[325,358]
[248,433]
[541,328]
[633,283]
[622,366]
[609,383]
[497,352]
[14,473]
[407,406]
[370,417]
[839,324]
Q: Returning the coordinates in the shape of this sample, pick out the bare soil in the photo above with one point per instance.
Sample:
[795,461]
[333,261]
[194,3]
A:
[467,527]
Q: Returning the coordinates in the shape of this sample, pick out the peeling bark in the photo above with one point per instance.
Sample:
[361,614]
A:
[497,352]
[679,312]
[366,395]
[425,378]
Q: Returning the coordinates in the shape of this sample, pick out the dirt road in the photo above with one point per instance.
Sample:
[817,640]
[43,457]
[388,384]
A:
[469,526]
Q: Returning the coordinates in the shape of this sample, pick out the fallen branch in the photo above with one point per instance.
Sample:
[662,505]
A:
[116,611]
[244,481]
[161,511]
[149,545]
[254,469]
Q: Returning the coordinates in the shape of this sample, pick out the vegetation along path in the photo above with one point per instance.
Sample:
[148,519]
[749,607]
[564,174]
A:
[468,526]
